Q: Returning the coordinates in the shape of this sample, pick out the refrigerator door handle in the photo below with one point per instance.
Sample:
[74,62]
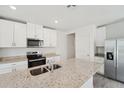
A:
[117,59]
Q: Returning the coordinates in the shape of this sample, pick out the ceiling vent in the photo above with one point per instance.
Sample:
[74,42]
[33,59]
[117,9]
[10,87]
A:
[70,6]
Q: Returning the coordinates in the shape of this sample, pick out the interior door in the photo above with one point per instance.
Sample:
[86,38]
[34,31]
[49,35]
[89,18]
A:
[20,35]
[83,45]
[120,60]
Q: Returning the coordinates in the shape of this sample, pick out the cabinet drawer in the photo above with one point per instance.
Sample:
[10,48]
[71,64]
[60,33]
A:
[6,70]
[21,67]
[3,66]
[15,66]
[21,63]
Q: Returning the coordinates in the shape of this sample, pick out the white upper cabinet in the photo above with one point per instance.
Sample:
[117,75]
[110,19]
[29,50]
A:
[34,31]
[30,30]
[49,38]
[53,38]
[20,35]
[12,34]
[39,32]
[100,36]
[46,37]
[6,33]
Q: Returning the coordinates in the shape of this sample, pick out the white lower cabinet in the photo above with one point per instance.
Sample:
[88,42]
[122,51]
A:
[11,67]
[88,83]
[5,68]
[20,65]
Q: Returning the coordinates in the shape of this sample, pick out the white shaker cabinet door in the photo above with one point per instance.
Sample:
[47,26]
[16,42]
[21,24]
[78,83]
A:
[100,36]
[20,35]
[53,37]
[46,37]
[5,68]
[6,33]
[39,32]
[23,65]
[31,30]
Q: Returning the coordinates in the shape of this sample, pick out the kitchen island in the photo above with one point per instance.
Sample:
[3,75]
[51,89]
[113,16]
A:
[74,73]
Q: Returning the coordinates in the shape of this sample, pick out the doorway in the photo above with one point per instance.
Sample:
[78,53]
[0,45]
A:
[71,45]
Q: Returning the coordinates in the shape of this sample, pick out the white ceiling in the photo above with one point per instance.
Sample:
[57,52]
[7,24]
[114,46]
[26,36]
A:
[69,18]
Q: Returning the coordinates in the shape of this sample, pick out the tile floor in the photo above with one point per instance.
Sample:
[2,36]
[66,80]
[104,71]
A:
[102,82]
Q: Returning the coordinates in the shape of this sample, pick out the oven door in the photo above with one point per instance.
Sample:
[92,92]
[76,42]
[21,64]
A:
[36,62]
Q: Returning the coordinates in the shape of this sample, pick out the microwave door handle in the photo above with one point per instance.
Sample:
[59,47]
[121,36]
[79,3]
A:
[40,44]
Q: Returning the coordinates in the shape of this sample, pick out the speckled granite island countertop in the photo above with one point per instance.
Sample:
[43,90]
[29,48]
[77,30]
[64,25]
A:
[73,74]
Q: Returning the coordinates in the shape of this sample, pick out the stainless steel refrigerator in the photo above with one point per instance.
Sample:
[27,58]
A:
[114,59]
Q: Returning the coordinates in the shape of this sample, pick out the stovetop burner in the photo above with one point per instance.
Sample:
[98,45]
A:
[33,55]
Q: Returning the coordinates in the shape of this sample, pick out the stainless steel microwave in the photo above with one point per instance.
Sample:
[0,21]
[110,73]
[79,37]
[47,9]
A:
[34,43]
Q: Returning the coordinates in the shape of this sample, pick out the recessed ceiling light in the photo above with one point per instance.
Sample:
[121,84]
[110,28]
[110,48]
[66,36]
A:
[56,21]
[12,7]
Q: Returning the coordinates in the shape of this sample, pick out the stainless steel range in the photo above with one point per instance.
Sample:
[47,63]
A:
[37,64]
[35,59]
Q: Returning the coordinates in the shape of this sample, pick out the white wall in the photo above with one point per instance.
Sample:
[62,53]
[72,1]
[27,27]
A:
[116,30]
[84,38]
[60,49]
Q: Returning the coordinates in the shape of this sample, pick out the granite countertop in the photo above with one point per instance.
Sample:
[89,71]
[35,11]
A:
[73,74]
[12,59]
[51,55]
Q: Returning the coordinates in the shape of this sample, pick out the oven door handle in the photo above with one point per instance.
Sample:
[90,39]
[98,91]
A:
[37,60]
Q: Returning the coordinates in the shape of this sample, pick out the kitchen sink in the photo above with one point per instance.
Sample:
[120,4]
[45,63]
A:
[39,71]
[56,66]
